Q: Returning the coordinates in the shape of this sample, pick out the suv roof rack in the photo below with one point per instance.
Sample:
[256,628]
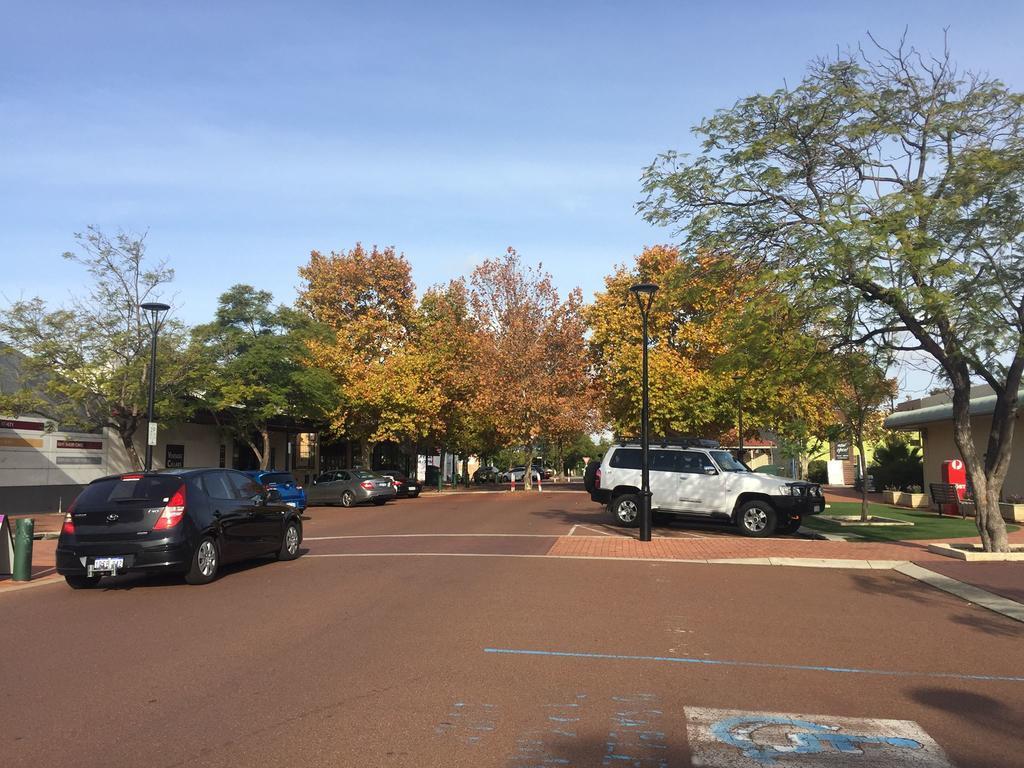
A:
[675,442]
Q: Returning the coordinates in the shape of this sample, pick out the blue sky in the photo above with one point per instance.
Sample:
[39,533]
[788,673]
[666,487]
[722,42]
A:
[243,135]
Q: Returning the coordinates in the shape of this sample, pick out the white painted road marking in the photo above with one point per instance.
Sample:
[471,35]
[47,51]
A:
[732,738]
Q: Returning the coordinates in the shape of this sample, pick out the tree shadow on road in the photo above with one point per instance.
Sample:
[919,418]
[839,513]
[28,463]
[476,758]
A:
[905,588]
[974,709]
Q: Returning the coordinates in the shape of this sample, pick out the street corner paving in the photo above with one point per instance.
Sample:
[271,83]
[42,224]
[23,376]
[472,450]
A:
[730,738]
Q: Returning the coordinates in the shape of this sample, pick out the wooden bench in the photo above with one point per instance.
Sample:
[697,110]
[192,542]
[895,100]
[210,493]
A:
[946,493]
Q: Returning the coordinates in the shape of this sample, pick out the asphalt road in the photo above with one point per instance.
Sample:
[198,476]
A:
[364,653]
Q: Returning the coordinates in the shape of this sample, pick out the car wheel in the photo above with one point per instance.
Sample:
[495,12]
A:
[348,499]
[791,526]
[82,582]
[290,542]
[205,562]
[756,518]
[626,510]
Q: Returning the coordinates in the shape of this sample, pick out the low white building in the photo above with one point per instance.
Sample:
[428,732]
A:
[42,468]
[933,418]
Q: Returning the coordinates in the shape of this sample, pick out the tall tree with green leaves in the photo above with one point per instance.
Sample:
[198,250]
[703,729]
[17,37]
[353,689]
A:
[90,358]
[891,181]
[258,367]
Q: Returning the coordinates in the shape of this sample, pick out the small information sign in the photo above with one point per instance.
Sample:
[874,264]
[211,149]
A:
[152,433]
[175,457]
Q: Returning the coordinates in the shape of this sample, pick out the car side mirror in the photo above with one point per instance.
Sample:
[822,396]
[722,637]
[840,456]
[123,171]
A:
[273,496]
[710,471]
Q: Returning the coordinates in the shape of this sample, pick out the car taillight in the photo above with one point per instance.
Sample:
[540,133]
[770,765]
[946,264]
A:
[367,484]
[173,512]
[68,526]
[597,479]
[298,487]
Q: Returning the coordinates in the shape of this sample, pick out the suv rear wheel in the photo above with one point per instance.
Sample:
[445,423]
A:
[626,510]
[756,518]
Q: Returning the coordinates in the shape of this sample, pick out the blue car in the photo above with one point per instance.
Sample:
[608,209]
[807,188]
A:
[291,492]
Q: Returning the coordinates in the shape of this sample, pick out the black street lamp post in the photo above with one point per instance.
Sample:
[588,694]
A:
[644,293]
[155,309]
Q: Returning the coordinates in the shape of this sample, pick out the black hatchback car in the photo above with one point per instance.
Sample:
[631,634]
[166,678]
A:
[187,521]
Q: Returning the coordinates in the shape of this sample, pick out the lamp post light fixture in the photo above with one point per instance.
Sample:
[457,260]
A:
[154,309]
[644,294]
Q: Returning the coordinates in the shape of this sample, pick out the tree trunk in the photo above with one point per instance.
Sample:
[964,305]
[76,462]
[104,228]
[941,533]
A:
[863,473]
[528,468]
[255,451]
[265,457]
[465,470]
[366,452]
[987,480]
[126,431]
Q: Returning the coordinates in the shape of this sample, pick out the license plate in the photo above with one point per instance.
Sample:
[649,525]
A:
[817,507]
[292,503]
[108,564]
[383,485]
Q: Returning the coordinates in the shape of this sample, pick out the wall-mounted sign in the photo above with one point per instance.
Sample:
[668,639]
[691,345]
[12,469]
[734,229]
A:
[152,434]
[21,442]
[86,445]
[175,457]
[35,426]
[79,460]
[843,451]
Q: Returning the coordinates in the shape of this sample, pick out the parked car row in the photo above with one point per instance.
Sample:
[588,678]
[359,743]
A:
[491,474]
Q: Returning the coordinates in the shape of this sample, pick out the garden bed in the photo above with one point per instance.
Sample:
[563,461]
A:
[872,520]
[974,552]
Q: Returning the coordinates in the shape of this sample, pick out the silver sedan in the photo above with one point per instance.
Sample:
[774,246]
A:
[349,487]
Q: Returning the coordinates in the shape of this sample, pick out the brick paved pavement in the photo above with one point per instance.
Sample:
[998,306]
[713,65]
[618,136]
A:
[727,548]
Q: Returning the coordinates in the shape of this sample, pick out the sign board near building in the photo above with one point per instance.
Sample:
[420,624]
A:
[175,457]
[842,450]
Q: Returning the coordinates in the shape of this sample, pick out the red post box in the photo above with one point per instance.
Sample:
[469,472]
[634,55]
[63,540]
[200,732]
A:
[954,473]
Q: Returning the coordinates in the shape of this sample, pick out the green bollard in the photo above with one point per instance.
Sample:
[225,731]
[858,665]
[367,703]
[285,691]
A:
[23,549]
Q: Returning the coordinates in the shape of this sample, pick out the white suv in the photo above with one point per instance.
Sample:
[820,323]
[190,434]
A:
[692,480]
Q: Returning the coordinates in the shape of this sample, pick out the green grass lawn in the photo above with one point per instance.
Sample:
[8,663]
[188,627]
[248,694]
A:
[926,524]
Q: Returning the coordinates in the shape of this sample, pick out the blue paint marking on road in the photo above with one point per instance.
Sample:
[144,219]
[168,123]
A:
[634,739]
[535,748]
[756,665]
[811,740]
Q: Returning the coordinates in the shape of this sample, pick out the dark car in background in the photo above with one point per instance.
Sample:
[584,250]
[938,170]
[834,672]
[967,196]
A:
[404,485]
[180,521]
[349,487]
[292,494]
[488,474]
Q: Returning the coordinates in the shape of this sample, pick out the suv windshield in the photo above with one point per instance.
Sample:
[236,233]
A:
[728,462]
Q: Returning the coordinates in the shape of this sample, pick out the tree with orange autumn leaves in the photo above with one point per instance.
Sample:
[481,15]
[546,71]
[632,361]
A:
[368,300]
[469,370]
[533,366]
[717,333]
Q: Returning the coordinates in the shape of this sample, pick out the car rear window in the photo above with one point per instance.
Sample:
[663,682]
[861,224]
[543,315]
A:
[626,458]
[362,474]
[281,478]
[146,489]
